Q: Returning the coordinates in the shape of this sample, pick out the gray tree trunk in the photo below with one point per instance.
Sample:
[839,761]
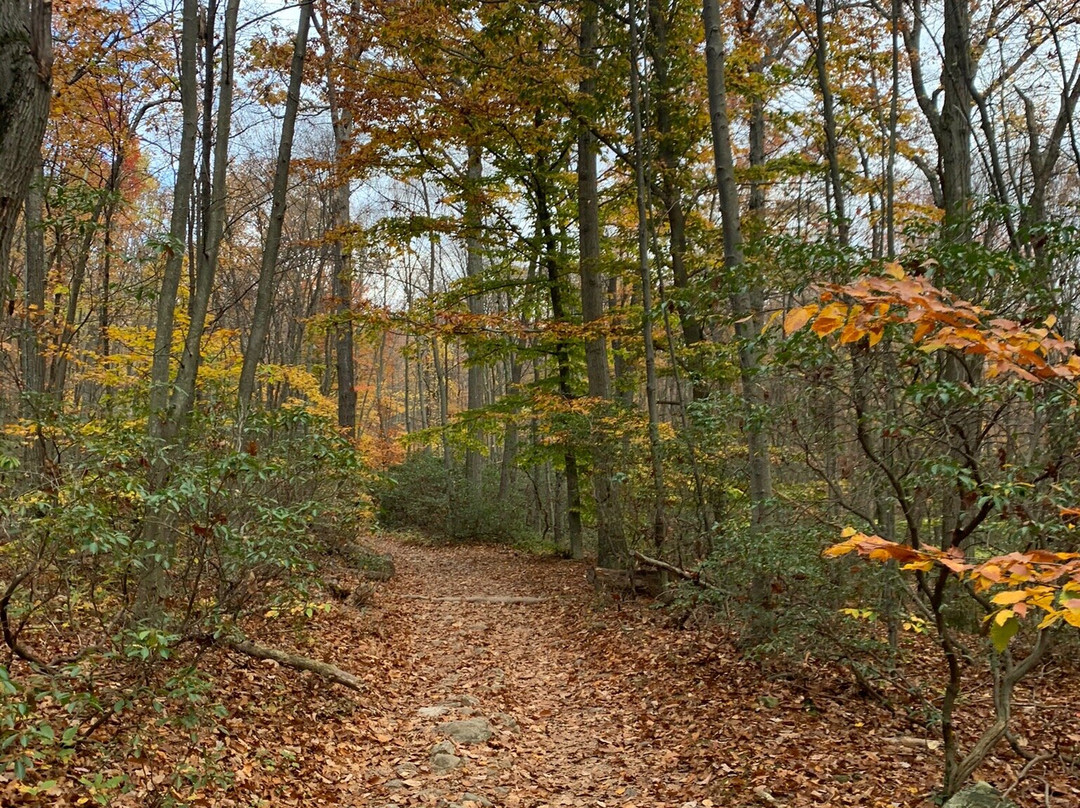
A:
[213,224]
[264,295]
[474,264]
[734,261]
[611,546]
[340,219]
[26,59]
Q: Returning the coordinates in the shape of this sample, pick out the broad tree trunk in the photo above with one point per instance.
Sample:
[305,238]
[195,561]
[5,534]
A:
[26,59]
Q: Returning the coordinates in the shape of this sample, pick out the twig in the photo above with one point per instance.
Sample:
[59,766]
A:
[1024,772]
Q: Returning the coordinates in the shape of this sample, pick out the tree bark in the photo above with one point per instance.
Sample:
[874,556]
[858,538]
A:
[26,60]
[734,262]
[272,244]
[610,539]
[474,264]
[213,223]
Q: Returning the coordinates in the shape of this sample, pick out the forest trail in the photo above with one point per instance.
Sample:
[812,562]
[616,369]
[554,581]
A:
[589,703]
[567,729]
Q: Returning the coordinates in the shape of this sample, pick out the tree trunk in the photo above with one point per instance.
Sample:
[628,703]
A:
[659,518]
[265,293]
[828,114]
[734,262]
[473,269]
[26,59]
[610,540]
[213,222]
[34,406]
[670,189]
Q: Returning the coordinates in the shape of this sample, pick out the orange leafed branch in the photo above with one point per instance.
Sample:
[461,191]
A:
[1037,578]
[864,308]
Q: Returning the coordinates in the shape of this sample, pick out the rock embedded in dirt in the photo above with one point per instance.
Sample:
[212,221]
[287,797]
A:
[507,721]
[407,770]
[395,784]
[464,700]
[468,799]
[444,748]
[472,730]
[438,711]
[980,795]
[441,762]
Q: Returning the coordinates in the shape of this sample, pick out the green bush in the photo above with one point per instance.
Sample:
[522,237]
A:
[422,494]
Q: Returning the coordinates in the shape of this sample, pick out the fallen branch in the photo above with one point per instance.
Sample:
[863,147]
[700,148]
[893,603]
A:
[300,663]
[506,599]
[663,565]
[914,743]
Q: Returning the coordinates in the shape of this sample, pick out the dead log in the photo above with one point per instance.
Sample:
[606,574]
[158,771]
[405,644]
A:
[296,662]
[663,565]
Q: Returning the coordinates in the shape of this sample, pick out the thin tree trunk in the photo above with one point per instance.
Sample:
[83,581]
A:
[659,518]
[213,226]
[473,270]
[272,244]
[741,300]
[611,547]
[562,358]
[828,114]
[34,406]
[152,587]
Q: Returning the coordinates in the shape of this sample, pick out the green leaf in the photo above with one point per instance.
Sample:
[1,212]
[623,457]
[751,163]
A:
[1000,634]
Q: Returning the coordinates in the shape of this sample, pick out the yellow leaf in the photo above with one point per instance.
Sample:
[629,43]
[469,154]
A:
[1002,616]
[1049,620]
[922,566]
[1050,321]
[893,270]
[831,318]
[797,318]
[1010,597]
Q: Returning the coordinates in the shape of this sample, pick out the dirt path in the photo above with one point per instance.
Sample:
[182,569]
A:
[566,731]
[588,704]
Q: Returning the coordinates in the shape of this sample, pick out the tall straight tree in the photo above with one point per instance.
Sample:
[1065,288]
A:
[212,218]
[340,218]
[264,295]
[610,538]
[735,263]
[474,266]
[151,589]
